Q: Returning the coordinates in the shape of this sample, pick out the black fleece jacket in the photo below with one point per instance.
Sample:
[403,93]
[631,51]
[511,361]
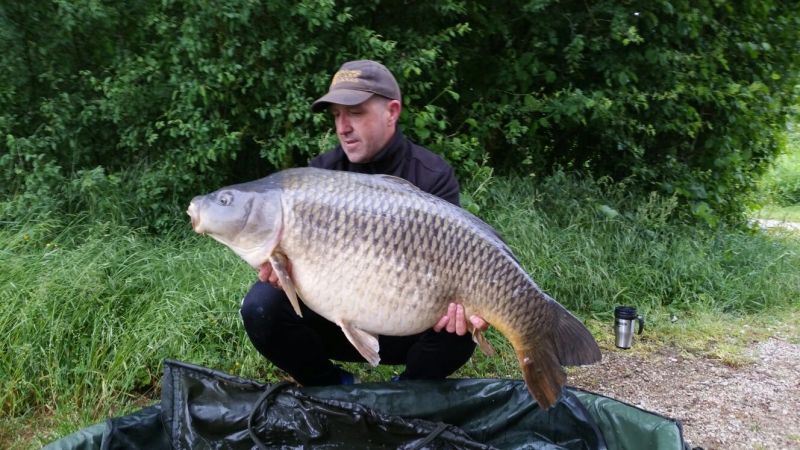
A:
[401,158]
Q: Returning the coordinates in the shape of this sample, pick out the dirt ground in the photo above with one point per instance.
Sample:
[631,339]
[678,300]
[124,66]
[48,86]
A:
[753,404]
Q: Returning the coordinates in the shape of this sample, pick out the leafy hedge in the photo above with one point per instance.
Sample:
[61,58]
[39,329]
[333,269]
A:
[129,109]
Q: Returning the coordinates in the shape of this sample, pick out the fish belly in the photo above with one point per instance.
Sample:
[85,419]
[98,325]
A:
[369,293]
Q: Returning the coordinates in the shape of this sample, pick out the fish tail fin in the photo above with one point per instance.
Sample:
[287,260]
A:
[575,345]
[541,358]
[542,373]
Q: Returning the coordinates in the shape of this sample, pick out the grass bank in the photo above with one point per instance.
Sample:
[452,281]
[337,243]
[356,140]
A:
[88,311]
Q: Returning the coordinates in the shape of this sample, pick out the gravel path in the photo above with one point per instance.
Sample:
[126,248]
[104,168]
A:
[755,405]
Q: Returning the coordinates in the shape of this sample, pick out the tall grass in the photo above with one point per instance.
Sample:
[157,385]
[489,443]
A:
[779,190]
[593,245]
[89,310]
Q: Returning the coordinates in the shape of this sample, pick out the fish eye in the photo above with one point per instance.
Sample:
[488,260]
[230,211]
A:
[225,198]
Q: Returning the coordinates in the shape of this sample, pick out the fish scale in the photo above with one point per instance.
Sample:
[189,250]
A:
[378,256]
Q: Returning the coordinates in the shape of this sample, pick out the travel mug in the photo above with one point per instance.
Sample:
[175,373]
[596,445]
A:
[624,317]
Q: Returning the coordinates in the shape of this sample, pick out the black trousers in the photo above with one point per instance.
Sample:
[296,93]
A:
[304,346]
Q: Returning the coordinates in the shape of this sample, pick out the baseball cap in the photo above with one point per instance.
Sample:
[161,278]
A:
[355,82]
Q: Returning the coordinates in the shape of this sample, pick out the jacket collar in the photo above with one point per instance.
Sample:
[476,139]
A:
[388,159]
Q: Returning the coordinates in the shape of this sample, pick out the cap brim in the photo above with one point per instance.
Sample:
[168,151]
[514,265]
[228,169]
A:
[345,97]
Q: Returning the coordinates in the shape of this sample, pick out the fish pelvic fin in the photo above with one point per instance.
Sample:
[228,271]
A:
[278,261]
[366,343]
[542,373]
[575,345]
[478,338]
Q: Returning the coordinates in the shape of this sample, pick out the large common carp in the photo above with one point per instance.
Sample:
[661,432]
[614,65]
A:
[378,256]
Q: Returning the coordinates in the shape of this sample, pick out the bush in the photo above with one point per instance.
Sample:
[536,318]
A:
[686,96]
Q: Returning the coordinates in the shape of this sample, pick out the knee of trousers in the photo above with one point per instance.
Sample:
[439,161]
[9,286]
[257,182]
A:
[263,310]
[456,347]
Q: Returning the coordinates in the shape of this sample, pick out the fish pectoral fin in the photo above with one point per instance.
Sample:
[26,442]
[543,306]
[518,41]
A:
[365,343]
[278,261]
[478,337]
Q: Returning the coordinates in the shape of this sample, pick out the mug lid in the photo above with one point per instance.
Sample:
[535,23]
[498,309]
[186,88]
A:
[625,312]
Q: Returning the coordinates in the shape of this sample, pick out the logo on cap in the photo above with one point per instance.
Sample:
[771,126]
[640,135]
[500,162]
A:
[346,76]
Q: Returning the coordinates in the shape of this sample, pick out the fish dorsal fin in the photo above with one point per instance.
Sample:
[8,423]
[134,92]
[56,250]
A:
[397,180]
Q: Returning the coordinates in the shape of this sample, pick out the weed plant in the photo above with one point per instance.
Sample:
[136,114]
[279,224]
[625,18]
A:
[89,309]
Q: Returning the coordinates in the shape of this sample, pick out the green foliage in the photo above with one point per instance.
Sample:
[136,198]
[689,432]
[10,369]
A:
[781,185]
[686,96]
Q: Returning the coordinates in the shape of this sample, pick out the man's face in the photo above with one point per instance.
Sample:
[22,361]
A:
[366,128]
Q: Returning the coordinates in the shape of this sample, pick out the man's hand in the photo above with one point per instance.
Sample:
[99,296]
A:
[455,321]
[268,275]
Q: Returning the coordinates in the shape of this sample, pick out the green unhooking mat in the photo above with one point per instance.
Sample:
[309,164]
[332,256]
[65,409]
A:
[208,409]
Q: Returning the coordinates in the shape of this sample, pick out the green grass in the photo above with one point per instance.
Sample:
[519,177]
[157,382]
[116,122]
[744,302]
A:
[775,212]
[88,311]
[780,187]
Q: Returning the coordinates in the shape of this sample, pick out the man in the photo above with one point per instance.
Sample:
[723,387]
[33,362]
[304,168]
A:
[364,99]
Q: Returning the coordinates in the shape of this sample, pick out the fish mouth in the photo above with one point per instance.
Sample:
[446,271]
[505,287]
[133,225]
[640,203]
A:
[192,212]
